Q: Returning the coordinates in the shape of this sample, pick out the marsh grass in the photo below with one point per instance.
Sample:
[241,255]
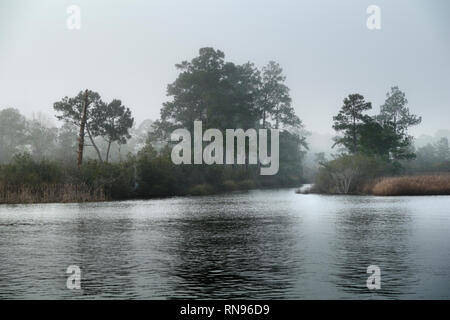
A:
[50,193]
[412,185]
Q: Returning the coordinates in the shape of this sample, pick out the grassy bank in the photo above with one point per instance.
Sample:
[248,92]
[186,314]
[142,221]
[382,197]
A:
[50,193]
[147,175]
[412,185]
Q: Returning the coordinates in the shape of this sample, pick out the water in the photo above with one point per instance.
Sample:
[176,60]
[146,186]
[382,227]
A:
[271,244]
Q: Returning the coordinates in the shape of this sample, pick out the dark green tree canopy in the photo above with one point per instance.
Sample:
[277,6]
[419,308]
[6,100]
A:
[111,121]
[384,135]
[70,109]
[275,102]
[350,120]
[219,93]
[224,95]
[113,124]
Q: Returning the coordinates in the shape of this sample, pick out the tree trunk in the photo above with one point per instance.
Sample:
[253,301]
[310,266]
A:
[93,144]
[107,151]
[355,147]
[264,119]
[82,128]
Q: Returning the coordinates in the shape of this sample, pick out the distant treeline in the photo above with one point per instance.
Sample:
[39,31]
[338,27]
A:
[148,174]
[42,139]
[371,148]
[39,161]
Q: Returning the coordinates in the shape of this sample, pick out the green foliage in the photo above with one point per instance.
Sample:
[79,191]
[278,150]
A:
[12,133]
[70,109]
[224,95]
[209,89]
[385,135]
[274,101]
[350,120]
[156,174]
[110,121]
[23,170]
[117,179]
[383,141]
[376,146]
[396,118]
[291,156]
[201,190]
[113,123]
[395,112]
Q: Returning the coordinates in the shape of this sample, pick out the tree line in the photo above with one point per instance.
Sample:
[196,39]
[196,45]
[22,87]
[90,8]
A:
[220,93]
[224,95]
[130,162]
[384,135]
[42,139]
[372,146]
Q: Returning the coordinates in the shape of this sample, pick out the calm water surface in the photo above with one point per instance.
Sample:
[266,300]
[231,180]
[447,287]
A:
[260,244]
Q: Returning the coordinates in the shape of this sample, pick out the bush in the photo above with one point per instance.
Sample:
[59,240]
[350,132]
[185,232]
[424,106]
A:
[201,190]
[350,174]
[149,174]
[27,181]
[246,184]
[156,175]
[229,185]
[23,170]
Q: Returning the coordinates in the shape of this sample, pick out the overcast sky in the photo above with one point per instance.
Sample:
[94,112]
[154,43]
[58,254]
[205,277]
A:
[127,49]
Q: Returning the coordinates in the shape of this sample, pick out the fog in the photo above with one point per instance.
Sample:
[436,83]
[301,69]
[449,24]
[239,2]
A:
[128,49]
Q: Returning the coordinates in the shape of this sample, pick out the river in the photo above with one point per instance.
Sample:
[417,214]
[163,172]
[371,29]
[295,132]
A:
[272,244]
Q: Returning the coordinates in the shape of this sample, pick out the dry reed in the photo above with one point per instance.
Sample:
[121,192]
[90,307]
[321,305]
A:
[49,193]
[412,185]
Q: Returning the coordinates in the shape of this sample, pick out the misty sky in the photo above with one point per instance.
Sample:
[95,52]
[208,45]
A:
[127,49]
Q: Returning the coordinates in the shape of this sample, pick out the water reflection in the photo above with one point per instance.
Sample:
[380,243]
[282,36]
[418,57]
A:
[271,244]
[233,257]
[104,251]
[371,234]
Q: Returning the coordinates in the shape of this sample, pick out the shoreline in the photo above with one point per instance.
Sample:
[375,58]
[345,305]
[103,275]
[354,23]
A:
[401,186]
[305,189]
[107,200]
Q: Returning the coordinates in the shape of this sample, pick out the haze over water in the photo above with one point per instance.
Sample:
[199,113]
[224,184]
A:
[250,245]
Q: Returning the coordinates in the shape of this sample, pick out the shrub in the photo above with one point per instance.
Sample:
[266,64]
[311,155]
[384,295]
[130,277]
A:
[349,174]
[246,184]
[229,185]
[201,190]
[23,170]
